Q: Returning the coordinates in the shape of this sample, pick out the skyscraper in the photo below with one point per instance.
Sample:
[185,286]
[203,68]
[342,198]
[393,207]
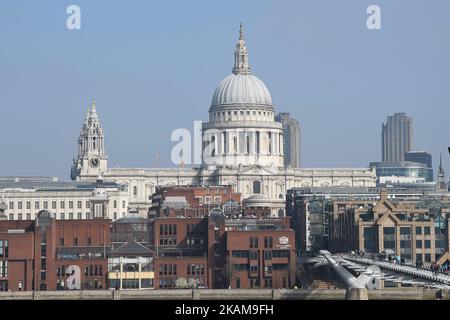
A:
[291,132]
[396,137]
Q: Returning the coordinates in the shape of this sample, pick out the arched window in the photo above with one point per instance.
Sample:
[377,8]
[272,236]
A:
[134,190]
[280,213]
[256,187]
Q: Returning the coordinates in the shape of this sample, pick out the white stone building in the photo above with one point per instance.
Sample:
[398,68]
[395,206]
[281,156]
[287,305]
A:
[24,197]
[242,143]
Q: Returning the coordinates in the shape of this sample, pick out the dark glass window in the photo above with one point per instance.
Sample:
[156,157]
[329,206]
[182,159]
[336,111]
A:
[256,187]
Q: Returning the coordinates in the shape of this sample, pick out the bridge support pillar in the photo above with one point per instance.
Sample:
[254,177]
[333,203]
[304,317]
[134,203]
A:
[356,294]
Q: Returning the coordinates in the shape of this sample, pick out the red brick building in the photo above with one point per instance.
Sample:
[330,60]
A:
[50,254]
[227,245]
[261,258]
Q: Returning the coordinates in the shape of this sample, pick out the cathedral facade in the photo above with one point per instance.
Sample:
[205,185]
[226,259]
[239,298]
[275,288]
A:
[242,147]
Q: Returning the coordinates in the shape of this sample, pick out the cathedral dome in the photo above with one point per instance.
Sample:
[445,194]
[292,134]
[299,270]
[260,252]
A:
[241,89]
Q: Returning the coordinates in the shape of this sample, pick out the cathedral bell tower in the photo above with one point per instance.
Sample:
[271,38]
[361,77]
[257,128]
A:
[91,160]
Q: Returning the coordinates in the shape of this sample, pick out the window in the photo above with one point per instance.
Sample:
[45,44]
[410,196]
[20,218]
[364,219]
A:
[256,187]
[88,204]
[61,241]
[123,204]
[115,204]
[28,216]
[89,241]
[62,204]
[268,269]
[36,204]
[389,241]
[61,216]
[427,244]
[1,249]
[53,204]
[418,244]
[135,191]
[405,230]
[253,242]
[19,216]
[238,283]
[280,253]
[11,205]
[79,216]
[418,230]
[45,204]
[75,241]
[19,205]
[28,204]
[79,205]
[240,253]
[70,204]
[4,269]
[268,242]
[426,230]
[70,215]
[6,249]
[11,216]
[115,215]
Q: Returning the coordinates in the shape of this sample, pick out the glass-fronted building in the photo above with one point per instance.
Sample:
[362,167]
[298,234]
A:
[403,169]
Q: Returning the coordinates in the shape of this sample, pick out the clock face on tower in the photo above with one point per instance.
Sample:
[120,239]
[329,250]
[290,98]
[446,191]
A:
[94,162]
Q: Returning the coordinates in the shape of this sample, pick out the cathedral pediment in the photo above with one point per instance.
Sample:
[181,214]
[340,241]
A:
[257,170]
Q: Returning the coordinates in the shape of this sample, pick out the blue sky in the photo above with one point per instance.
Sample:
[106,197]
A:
[152,67]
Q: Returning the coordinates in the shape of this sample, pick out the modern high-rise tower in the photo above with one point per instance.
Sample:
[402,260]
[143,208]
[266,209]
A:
[396,137]
[291,133]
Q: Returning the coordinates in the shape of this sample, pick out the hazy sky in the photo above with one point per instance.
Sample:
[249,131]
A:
[152,67]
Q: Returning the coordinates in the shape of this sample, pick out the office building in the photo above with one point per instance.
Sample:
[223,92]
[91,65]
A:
[396,137]
[292,142]
[420,157]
